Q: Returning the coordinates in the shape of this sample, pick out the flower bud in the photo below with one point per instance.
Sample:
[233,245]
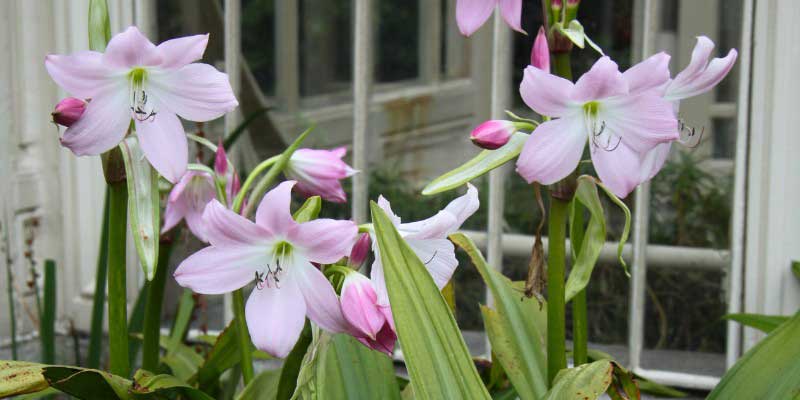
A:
[492,134]
[319,172]
[68,110]
[360,251]
[359,305]
[220,160]
[540,53]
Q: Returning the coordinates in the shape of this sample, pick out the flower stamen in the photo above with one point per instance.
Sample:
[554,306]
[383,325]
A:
[141,109]
[688,134]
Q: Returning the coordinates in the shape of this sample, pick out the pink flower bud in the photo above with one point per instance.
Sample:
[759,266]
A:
[556,5]
[319,172]
[68,110]
[385,338]
[220,160]
[359,305]
[540,54]
[360,251]
[492,134]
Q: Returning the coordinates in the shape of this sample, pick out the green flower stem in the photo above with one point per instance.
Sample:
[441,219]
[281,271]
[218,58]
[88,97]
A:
[580,330]
[152,311]
[239,200]
[556,265]
[117,299]
[244,337]
[561,65]
[99,300]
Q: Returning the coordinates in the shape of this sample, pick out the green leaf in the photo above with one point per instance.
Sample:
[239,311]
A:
[143,204]
[484,162]
[764,323]
[516,328]
[626,230]
[339,367]
[149,386]
[586,382]
[263,386]
[47,332]
[438,361]
[20,377]
[624,385]
[99,25]
[645,386]
[770,370]
[593,240]
[293,363]
[223,355]
[86,384]
[574,32]
[182,318]
[796,268]
[309,210]
[182,360]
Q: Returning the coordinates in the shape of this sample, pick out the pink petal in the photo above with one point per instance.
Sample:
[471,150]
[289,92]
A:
[545,93]
[387,208]
[196,92]
[82,74]
[700,54]
[217,270]
[717,70]
[378,280]
[511,10]
[648,74]
[131,48]
[329,189]
[654,160]
[273,213]
[173,214]
[101,127]
[383,342]
[176,53]
[642,121]
[359,305]
[553,150]
[164,144]
[620,169]
[322,305]
[324,241]
[227,228]
[471,14]
[603,80]
[439,257]
[275,317]
[435,227]
[464,206]
[540,53]
[196,223]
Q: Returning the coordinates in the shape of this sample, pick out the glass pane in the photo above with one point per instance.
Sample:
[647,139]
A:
[397,46]
[258,36]
[325,46]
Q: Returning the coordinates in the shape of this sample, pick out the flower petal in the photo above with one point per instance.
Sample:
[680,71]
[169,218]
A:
[196,92]
[553,150]
[164,144]
[227,228]
[603,80]
[196,223]
[439,257]
[82,74]
[359,305]
[173,214]
[654,160]
[464,206]
[131,48]
[176,53]
[101,127]
[273,213]
[702,82]
[511,10]
[648,74]
[471,14]
[378,279]
[324,240]
[642,121]
[275,317]
[620,169]
[435,227]
[322,305]
[384,204]
[217,270]
[545,93]
[700,54]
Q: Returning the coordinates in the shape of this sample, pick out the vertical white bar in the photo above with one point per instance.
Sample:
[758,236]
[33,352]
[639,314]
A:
[640,227]
[734,337]
[430,40]
[501,94]
[233,45]
[362,84]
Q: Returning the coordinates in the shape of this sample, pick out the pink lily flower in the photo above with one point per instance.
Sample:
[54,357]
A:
[428,239]
[373,324]
[697,78]
[68,111]
[472,14]
[187,200]
[151,84]
[276,252]
[604,106]
[318,173]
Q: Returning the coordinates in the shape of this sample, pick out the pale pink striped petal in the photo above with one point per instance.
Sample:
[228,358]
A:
[101,127]
[359,305]
[553,150]
[273,213]
[471,14]
[216,270]
[700,54]
[642,121]
[704,81]
[655,159]
[322,305]
[164,144]
[275,317]
[82,74]
[173,214]
[464,206]
[619,169]
[545,93]
[227,228]
[603,80]
[197,92]
[377,278]
[649,74]
[324,240]
[435,227]
[176,53]
[131,48]
[439,257]
[511,10]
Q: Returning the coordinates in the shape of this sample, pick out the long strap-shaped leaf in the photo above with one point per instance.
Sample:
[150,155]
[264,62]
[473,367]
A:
[439,364]
[516,327]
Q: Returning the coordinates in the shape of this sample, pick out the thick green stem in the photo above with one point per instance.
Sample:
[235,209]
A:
[47,324]
[239,200]
[580,332]
[99,300]
[561,65]
[244,336]
[152,311]
[556,265]
[117,299]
